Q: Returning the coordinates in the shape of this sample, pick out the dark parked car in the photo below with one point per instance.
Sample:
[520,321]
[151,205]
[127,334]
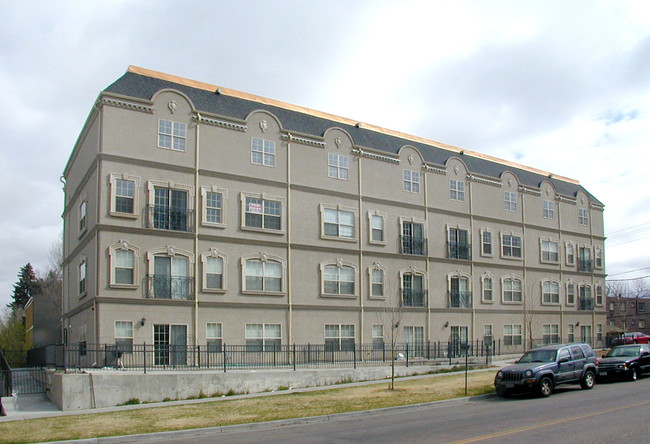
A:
[628,361]
[542,369]
[635,337]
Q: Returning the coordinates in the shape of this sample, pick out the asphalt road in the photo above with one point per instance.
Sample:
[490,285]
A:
[609,413]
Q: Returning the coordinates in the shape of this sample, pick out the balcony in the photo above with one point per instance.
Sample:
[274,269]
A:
[459,250]
[166,218]
[460,299]
[585,303]
[170,287]
[413,245]
[585,265]
[413,298]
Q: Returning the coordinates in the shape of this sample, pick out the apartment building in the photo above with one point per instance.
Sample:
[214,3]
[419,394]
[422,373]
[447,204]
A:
[195,214]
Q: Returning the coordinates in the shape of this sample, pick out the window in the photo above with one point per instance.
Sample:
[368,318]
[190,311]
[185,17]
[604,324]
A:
[551,333]
[411,181]
[510,245]
[376,221]
[338,280]
[571,333]
[123,270]
[510,201]
[82,277]
[456,190]
[171,278]
[487,284]
[512,290]
[83,346]
[169,344]
[339,337]
[263,275]
[598,257]
[214,278]
[585,301]
[413,290]
[214,336]
[584,259]
[641,307]
[414,339]
[213,207]
[549,209]
[124,336]
[262,152]
[377,282]
[487,333]
[486,243]
[641,325]
[585,335]
[338,223]
[171,135]
[570,253]
[413,241]
[170,209]
[599,330]
[377,337]
[82,217]
[265,214]
[337,166]
[599,294]
[550,251]
[550,292]
[263,337]
[458,246]
[512,334]
[460,295]
[124,196]
[583,216]
[570,293]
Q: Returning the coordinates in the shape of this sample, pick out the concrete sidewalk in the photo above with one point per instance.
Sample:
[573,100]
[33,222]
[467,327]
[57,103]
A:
[21,407]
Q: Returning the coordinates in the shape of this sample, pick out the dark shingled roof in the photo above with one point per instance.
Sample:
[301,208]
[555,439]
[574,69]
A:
[144,87]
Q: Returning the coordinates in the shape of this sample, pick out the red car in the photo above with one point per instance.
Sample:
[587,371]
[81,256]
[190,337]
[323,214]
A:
[635,337]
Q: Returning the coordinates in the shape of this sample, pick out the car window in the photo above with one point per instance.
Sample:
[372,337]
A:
[577,353]
[588,351]
[538,356]
[624,351]
[563,353]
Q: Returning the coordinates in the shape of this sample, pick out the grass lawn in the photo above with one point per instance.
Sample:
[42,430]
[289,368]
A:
[239,411]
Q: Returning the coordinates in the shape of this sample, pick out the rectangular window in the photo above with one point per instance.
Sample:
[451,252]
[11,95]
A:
[511,245]
[487,332]
[339,337]
[338,166]
[82,216]
[377,283]
[413,241]
[458,244]
[570,293]
[378,337]
[262,152]
[171,278]
[213,273]
[598,257]
[263,276]
[171,135]
[510,201]
[585,300]
[641,324]
[512,290]
[549,209]
[512,334]
[262,213]
[550,292]
[214,336]
[585,263]
[550,251]
[124,336]
[599,330]
[583,216]
[599,294]
[551,334]
[457,190]
[338,223]
[487,289]
[413,294]
[414,338]
[263,337]
[213,207]
[338,280]
[376,228]
[459,294]
[411,181]
[170,209]
[124,267]
[82,278]
[486,243]
[124,196]
[571,333]
[641,307]
[570,253]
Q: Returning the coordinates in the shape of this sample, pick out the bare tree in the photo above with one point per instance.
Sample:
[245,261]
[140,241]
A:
[530,306]
[619,291]
[390,317]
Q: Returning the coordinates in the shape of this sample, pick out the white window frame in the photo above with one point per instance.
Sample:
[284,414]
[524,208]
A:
[570,293]
[413,271]
[83,277]
[338,166]
[459,275]
[339,338]
[339,264]
[598,257]
[151,196]
[171,252]
[263,197]
[378,337]
[511,236]
[176,139]
[425,242]
[112,180]
[214,254]
[488,331]
[546,253]
[264,258]
[458,229]
[551,333]
[376,267]
[487,277]
[512,279]
[599,299]
[264,148]
[122,245]
[267,334]
[83,217]
[457,190]
[583,216]
[570,251]
[510,200]
[371,216]
[411,181]
[324,208]
[123,343]
[514,332]
[204,206]
[548,211]
[550,290]
[216,336]
[483,232]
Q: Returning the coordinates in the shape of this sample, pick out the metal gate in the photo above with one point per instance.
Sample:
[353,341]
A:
[24,381]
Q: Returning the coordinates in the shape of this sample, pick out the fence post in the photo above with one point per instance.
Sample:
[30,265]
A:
[223,349]
[407,355]
[428,349]
[354,354]
[294,356]
[198,355]
[144,357]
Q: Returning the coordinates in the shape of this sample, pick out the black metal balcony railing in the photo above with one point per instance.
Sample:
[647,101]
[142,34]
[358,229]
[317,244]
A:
[585,303]
[413,245]
[460,299]
[413,298]
[170,287]
[166,218]
[585,265]
[459,250]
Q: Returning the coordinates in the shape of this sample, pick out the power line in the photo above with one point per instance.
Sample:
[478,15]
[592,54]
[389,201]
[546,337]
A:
[629,279]
[628,228]
[631,271]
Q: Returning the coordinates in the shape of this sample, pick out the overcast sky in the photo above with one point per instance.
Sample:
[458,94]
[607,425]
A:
[563,86]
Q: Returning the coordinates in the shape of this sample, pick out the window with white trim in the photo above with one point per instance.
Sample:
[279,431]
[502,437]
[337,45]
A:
[377,275]
[376,223]
[551,334]
[171,209]
[413,288]
[571,333]
[414,338]
[457,190]
[412,239]
[570,249]
[570,293]
[83,207]
[262,213]
[262,152]
[169,274]
[488,332]
[512,334]
[377,337]
[213,206]
[487,286]
[458,243]
[550,251]
[263,275]
[83,268]
[338,166]
[550,292]
[510,245]
[583,216]
[124,336]
[171,135]
[598,257]
[460,292]
[124,195]
[510,201]
[263,337]
[214,267]
[214,336]
[411,181]
[599,294]
[486,242]
[339,337]
[549,209]
[338,279]
[338,222]
[123,270]
[512,289]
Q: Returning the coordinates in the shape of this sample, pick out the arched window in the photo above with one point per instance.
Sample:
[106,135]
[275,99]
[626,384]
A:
[123,266]
[213,271]
[170,273]
[338,279]
[263,273]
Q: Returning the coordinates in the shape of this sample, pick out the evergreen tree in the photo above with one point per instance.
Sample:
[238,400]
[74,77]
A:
[23,288]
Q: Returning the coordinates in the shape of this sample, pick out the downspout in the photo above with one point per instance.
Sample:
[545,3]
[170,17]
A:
[196,230]
[427,319]
[361,269]
[288,218]
[475,294]
[63,252]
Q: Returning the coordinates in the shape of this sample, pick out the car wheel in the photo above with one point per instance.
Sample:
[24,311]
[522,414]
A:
[545,387]
[632,374]
[588,380]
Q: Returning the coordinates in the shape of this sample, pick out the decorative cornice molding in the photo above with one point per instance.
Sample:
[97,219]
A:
[432,169]
[221,123]
[126,105]
[484,180]
[363,153]
[565,199]
[303,140]
[528,190]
